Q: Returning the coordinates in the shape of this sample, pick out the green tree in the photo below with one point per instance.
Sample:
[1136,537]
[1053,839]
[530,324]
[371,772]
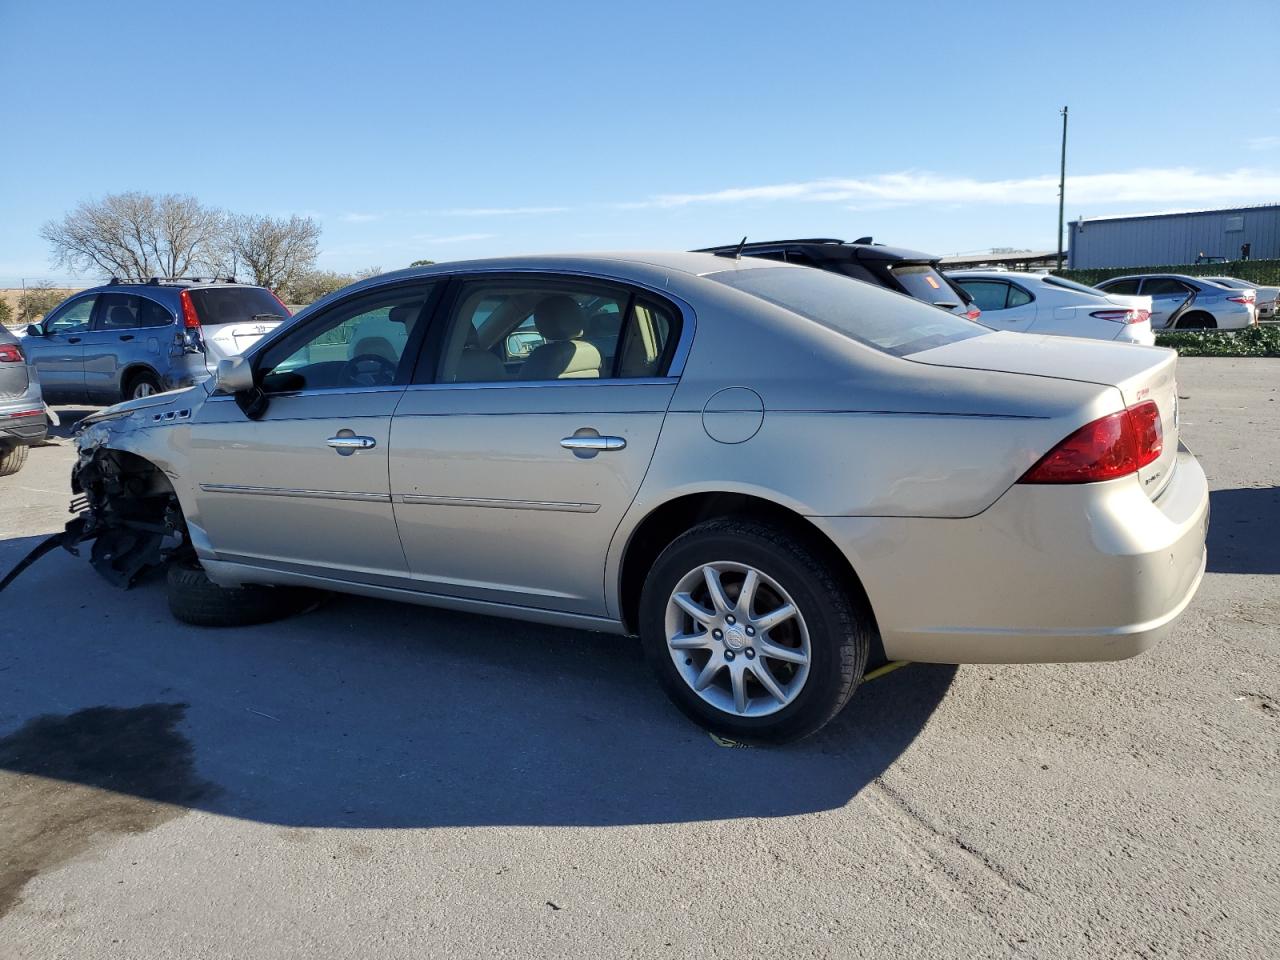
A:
[38,300]
[6,313]
[422,263]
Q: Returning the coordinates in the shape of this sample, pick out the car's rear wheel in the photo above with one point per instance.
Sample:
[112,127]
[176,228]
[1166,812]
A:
[750,633]
[140,385]
[1198,320]
[12,458]
[195,599]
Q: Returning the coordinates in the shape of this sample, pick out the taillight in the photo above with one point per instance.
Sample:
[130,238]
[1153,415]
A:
[1112,446]
[1249,297]
[1122,316]
[974,313]
[284,310]
[190,319]
[11,353]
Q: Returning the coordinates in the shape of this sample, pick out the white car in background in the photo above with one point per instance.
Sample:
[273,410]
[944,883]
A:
[1267,297]
[1040,303]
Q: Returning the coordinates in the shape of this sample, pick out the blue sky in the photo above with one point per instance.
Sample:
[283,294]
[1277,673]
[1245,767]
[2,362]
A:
[453,130]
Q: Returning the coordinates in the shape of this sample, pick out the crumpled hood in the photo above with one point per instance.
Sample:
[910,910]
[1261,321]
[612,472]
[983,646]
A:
[187,395]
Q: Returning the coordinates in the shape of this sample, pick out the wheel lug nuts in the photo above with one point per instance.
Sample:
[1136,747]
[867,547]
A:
[729,620]
[751,631]
[728,654]
[718,633]
[750,652]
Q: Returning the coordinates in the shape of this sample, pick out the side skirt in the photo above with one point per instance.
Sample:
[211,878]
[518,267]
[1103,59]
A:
[228,574]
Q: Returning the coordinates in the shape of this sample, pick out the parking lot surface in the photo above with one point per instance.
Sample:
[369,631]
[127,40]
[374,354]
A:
[373,779]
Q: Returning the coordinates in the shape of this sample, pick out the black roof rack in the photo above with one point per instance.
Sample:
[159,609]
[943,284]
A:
[156,281]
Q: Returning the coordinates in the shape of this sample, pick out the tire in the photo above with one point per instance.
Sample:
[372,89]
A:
[141,384]
[835,626]
[12,459]
[1197,320]
[195,599]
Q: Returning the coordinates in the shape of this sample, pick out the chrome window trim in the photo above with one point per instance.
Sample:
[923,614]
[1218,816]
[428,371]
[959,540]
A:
[688,316]
[295,492]
[493,503]
[518,384]
[317,392]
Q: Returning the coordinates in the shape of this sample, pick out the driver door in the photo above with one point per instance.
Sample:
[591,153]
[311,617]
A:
[58,355]
[304,487]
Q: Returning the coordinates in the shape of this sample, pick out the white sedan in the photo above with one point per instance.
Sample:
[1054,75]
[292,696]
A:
[1040,303]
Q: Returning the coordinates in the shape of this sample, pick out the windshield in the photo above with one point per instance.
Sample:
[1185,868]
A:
[927,284]
[879,318]
[1066,284]
[216,305]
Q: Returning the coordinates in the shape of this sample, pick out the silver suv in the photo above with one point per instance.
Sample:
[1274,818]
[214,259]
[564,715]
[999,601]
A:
[131,339]
[1189,303]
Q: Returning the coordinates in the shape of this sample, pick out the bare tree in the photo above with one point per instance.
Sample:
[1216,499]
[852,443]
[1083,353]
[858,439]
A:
[310,285]
[137,235]
[276,250]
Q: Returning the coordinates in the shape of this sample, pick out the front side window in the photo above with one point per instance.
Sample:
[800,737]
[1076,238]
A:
[879,318]
[360,342]
[531,330]
[73,318]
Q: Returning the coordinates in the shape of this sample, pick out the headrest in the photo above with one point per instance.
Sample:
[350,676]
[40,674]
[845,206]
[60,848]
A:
[558,317]
[404,312]
[120,316]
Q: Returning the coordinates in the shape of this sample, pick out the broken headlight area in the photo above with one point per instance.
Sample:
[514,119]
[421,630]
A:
[127,508]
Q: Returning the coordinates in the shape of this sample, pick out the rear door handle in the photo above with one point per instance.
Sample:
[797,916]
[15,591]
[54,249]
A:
[351,444]
[594,443]
[126,337]
[73,339]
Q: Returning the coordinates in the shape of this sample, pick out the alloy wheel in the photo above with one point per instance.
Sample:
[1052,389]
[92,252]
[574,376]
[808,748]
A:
[737,639]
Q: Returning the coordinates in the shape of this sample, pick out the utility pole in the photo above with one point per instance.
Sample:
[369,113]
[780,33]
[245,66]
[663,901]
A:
[1062,185]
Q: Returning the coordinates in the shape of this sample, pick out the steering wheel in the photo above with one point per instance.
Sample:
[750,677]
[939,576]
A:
[369,370]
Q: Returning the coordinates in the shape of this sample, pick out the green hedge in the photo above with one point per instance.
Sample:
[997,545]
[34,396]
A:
[1262,341]
[1265,272]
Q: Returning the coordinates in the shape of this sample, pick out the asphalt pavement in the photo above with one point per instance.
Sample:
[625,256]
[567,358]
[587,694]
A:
[379,780]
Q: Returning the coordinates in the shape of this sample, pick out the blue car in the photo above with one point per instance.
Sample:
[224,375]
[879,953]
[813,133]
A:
[129,339]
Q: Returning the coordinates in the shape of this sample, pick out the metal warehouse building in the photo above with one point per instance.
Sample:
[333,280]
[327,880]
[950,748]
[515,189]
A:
[1173,238]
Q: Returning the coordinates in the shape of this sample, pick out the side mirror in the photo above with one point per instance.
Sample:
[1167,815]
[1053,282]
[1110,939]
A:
[522,343]
[234,375]
[35,330]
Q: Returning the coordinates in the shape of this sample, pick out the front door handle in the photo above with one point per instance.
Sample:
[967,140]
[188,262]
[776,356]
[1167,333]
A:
[351,444]
[594,443]
[126,337]
[73,339]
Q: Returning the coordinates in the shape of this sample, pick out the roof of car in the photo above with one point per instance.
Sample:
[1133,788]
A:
[692,263]
[829,248]
[1153,276]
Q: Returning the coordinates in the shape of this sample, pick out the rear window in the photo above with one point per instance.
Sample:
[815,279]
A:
[874,316]
[215,305]
[1066,284]
[927,284]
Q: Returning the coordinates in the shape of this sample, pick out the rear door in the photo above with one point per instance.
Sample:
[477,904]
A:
[1168,297]
[516,456]
[1004,305]
[304,488]
[58,355]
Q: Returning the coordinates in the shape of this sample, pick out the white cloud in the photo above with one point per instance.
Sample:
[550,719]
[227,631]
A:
[360,217]
[497,211]
[1170,185]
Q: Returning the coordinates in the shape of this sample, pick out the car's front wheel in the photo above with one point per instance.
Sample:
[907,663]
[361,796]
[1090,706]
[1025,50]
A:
[195,599]
[750,633]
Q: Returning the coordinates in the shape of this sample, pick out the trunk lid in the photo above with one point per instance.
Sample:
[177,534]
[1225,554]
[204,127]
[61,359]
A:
[14,375]
[1139,373]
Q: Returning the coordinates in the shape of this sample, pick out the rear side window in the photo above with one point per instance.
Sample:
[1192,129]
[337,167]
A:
[988,295]
[1123,287]
[215,305]
[925,283]
[125,311]
[873,316]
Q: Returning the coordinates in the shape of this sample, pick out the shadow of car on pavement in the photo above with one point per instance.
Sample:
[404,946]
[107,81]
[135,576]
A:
[367,713]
